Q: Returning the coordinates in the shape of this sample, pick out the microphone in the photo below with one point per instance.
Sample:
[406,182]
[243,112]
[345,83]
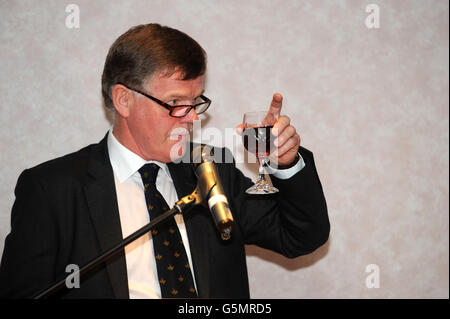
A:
[211,190]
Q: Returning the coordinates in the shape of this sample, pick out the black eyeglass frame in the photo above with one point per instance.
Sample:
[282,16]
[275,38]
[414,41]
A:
[173,108]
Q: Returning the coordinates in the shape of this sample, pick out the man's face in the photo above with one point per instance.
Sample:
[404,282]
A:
[155,134]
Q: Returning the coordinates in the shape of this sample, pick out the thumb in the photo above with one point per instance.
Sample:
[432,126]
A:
[240,129]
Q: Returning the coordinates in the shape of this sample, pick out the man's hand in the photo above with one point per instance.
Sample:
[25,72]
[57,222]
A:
[287,140]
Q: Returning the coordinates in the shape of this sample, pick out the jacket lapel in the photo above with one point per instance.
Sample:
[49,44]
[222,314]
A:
[102,202]
[196,224]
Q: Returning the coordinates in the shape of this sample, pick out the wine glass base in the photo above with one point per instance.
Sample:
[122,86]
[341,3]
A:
[261,189]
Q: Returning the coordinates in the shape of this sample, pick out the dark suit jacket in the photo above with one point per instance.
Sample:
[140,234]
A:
[66,212]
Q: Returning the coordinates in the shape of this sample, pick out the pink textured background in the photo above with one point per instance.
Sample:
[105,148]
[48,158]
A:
[372,104]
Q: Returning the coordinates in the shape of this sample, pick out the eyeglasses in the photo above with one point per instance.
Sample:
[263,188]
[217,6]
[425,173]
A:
[178,110]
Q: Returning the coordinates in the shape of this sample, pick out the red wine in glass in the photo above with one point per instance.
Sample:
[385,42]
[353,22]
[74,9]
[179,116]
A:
[258,140]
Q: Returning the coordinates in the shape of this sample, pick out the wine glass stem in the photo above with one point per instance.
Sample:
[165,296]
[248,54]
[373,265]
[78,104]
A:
[262,176]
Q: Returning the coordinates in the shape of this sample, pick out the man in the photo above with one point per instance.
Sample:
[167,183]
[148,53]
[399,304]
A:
[69,210]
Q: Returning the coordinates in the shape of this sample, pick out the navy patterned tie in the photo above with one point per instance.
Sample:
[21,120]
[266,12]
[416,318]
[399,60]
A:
[174,273]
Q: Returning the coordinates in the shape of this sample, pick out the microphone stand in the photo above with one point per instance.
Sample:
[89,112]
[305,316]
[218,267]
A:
[180,206]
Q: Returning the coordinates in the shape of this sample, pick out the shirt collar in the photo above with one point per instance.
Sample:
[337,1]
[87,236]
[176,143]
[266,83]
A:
[124,162]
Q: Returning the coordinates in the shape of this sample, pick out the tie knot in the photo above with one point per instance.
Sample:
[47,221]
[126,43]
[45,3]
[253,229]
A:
[148,173]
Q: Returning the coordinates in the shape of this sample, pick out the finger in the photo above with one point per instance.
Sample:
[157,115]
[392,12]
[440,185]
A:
[287,133]
[275,107]
[280,125]
[291,144]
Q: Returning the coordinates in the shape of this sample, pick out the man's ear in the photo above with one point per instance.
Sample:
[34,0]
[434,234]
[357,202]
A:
[122,99]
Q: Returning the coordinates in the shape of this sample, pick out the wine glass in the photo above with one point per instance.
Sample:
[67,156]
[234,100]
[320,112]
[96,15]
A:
[258,139]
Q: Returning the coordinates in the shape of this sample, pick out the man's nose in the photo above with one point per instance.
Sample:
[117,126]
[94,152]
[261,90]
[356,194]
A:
[191,116]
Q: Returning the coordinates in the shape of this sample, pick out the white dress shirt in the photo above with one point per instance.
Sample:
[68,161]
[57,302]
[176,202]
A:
[140,259]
